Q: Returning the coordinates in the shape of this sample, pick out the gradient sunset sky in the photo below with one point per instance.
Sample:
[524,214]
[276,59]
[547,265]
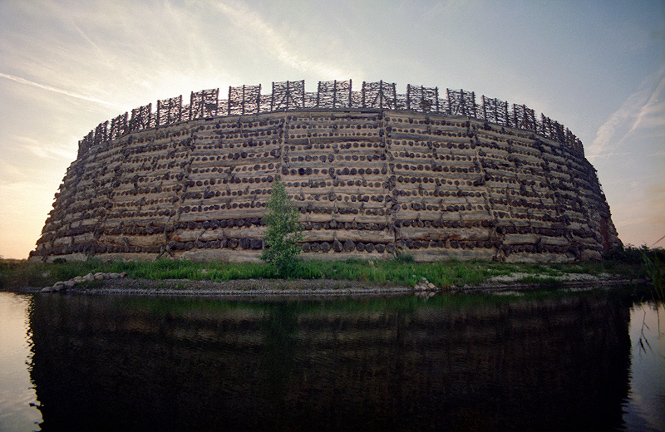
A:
[598,67]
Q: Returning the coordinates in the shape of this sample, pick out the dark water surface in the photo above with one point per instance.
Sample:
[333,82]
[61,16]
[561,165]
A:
[476,363]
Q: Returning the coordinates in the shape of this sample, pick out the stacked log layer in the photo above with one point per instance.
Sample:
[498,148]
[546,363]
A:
[369,183]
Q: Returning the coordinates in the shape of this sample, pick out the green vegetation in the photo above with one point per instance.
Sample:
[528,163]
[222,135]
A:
[653,263]
[650,263]
[402,270]
[283,233]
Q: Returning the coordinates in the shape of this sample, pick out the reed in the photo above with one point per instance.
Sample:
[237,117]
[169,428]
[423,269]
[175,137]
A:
[652,264]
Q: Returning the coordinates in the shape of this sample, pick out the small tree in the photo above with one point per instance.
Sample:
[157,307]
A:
[283,234]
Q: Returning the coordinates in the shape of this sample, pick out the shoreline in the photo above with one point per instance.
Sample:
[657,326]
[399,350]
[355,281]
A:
[275,289]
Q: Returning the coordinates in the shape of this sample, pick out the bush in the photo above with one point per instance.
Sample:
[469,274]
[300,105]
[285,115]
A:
[283,234]
[628,255]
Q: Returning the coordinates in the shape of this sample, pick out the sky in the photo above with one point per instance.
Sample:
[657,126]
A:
[597,67]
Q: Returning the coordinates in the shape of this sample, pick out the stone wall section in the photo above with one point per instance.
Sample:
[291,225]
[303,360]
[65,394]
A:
[369,183]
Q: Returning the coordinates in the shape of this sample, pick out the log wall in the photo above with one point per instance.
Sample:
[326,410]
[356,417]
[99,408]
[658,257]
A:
[369,183]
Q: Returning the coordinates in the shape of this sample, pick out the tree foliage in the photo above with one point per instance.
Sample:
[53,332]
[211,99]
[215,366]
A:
[283,233]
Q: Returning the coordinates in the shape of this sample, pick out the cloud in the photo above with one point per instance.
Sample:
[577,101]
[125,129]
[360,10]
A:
[642,109]
[57,90]
[651,112]
[278,44]
[121,51]
[45,151]
[652,115]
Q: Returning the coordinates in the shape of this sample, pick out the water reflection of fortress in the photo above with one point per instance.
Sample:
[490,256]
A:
[197,366]
[373,172]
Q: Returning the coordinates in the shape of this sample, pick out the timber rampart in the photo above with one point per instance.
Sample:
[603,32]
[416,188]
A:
[373,172]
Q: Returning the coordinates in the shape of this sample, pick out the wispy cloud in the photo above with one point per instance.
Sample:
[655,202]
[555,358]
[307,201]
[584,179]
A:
[642,109]
[57,90]
[277,44]
[128,53]
[652,108]
[48,151]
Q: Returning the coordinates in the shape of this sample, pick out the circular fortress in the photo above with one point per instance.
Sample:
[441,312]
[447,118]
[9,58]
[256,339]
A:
[436,175]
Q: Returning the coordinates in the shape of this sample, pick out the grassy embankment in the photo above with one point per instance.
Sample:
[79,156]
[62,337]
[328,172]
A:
[629,263]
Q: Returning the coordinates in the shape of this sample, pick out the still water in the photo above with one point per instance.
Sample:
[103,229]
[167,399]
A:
[476,363]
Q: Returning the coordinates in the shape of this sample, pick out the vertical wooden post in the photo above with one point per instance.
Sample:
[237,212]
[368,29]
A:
[334,94]
[242,104]
[318,94]
[422,99]
[362,94]
[380,94]
[228,103]
[258,101]
[408,96]
[286,96]
[448,111]
[484,108]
